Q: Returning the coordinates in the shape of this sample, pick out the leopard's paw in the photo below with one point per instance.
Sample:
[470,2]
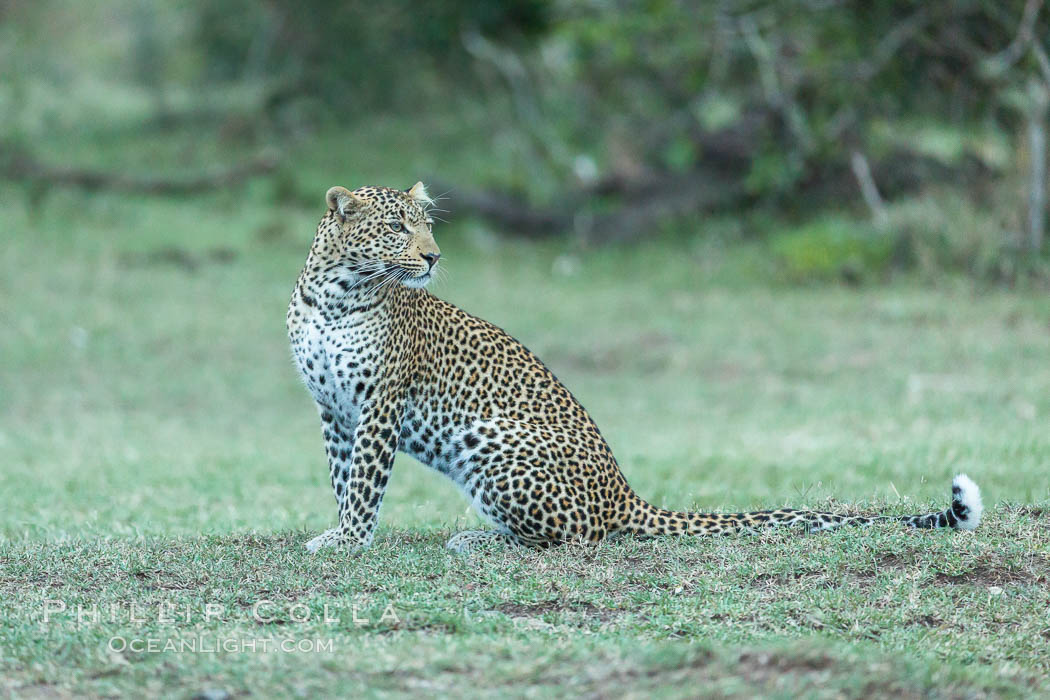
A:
[328,538]
[336,539]
[471,540]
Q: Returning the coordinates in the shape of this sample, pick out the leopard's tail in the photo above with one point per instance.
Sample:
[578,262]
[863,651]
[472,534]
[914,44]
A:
[645,519]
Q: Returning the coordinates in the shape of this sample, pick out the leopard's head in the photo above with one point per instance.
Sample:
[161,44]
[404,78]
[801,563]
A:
[383,234]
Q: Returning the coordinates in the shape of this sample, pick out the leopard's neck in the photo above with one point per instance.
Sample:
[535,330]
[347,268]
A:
[339,295]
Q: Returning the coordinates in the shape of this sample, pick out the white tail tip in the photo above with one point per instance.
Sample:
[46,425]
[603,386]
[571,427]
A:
[966,493]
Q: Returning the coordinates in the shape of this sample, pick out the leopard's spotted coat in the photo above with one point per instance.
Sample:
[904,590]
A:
[392,367]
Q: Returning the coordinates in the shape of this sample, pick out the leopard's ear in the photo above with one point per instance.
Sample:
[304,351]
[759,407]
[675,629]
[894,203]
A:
[418,192]
[344,202]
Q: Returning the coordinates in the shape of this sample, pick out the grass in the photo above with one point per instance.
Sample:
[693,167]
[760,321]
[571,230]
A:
[156,448]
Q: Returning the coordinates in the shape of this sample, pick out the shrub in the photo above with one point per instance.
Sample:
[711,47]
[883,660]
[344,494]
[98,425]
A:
[833,248]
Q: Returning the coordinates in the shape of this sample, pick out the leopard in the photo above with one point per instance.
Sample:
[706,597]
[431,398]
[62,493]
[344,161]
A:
[394,368]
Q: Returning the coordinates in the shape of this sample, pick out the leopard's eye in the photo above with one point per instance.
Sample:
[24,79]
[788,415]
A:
[397,227]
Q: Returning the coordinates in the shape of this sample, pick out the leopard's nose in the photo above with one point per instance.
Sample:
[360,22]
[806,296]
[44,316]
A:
[431,259]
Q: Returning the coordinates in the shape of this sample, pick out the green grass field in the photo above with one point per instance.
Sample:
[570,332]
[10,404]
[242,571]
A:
[157,449]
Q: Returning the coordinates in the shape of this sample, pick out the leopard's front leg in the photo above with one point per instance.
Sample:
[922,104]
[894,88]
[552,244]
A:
[359,468]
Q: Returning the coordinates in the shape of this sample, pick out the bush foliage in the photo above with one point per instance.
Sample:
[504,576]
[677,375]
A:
[591,108]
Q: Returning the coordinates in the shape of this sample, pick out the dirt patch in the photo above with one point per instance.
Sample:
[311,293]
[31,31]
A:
[883,562]
[410,623]
[1031,511]
[160,580]
[891,561]
[767,580]
[931,622]
[36,690]
[927,621]
[769,662]
[985,575]
[768,670]
[582,608]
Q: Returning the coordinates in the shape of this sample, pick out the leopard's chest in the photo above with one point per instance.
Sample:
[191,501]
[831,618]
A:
[339,363]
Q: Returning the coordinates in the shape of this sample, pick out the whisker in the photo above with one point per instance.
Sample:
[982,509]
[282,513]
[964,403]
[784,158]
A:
[390,278]
[441,274]
[376,273]
[362,281]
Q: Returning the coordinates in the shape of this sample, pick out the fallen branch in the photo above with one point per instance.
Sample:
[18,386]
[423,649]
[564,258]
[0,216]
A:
[701,190]
[644,203]
[640,204]
[511,213]
[17,164]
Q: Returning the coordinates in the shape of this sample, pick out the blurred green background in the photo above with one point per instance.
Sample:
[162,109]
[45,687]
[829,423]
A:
[848,141]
